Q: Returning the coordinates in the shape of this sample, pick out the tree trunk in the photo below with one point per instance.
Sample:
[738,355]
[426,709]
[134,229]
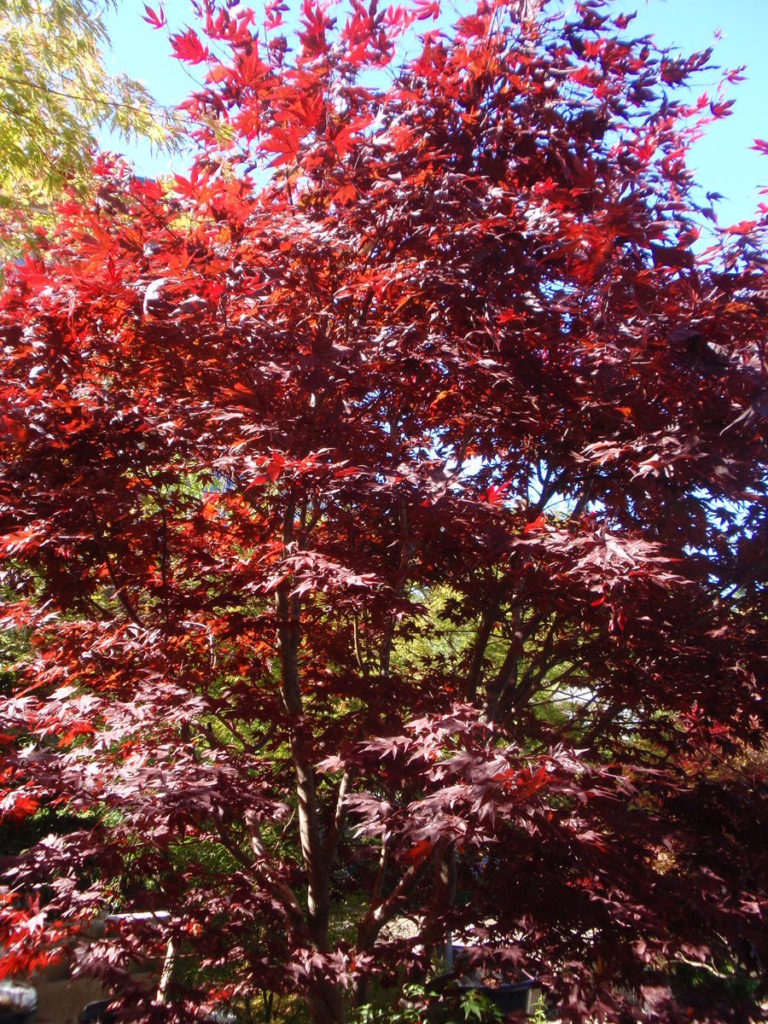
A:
[325,1002]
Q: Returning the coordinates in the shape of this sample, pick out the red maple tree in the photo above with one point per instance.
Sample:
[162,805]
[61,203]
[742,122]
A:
[383,520]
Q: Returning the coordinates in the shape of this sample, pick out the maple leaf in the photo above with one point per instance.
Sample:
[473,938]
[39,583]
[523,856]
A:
[154,18]
[188,48]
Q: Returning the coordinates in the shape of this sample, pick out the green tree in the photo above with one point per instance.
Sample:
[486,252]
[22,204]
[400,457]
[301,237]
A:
[55,94]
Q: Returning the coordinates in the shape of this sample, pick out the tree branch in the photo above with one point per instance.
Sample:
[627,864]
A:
[487,622]
[339,816]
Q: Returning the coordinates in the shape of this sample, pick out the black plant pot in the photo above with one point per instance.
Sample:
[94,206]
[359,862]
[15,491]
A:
[96,1013]
[509,998]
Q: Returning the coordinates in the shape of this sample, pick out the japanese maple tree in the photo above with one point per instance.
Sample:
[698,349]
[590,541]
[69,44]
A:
[383,521]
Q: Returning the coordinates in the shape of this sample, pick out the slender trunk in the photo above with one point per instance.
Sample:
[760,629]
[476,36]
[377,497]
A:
[443,899]
[487,622]
[326,1004]
[325,1000]
[310,833]
[507,675]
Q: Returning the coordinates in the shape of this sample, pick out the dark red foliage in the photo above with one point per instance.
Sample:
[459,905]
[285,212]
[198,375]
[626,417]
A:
[383,512]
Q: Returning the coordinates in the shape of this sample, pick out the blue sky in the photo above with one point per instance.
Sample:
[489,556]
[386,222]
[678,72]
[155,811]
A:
[723,160]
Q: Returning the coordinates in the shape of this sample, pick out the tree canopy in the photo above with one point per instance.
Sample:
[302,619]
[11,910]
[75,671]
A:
[383,520]
[55,93]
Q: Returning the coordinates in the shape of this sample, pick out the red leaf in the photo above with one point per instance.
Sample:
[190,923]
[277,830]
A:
[426,9]
[537,524]
[154,19]
[188,48]
[420,852]
[219,73]
[345,195]
[495,494]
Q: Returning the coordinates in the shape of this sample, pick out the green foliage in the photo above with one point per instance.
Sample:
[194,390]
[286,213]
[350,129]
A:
[55,93]
[407,1010]
[539,1015]
[727,984]
[12,644]
[477,1008]
[439,636]
[422,1003]
[444,637]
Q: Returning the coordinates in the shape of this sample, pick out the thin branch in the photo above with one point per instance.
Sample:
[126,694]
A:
[358,652]
[128,608]
[406,551]
[507,674]
[487,622]
[339,816]
[381,870]
[379,915]
[101,101]
[263,868]
[537,668]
